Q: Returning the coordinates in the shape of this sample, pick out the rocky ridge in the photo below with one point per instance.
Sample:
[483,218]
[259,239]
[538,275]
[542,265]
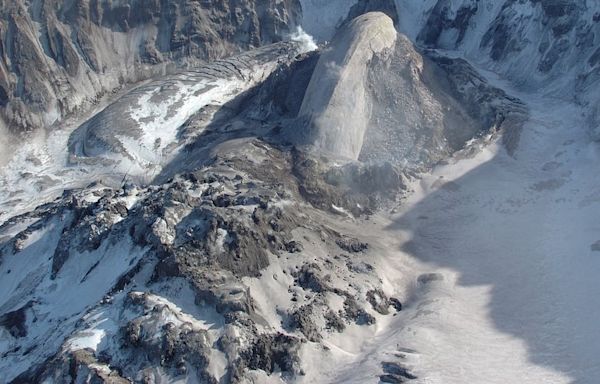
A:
[175,279]
[537,44]
[247,252]
[57,57]
[197,240]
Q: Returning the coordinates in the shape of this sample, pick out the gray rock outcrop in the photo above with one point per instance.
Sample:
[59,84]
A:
[59,57]
[336,108]
[375,97]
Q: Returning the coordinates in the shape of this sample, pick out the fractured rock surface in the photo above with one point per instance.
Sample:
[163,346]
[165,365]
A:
[58,57]
[336,107]
[235,246]
[375,97]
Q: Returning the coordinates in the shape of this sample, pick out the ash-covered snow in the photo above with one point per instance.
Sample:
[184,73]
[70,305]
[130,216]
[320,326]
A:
[250,260]
[504,250]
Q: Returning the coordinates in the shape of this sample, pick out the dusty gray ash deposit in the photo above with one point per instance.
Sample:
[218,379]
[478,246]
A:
[200,192]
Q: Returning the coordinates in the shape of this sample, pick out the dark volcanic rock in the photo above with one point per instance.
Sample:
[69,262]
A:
[441,19]
[378,301]
[85,49]
[14,322]
[271,351]
[395,373]
[302,320]
[73,367]
[170,346]
[397,304]
[309,277]
[335,322]
[356,313]
[294,247]
[352,245]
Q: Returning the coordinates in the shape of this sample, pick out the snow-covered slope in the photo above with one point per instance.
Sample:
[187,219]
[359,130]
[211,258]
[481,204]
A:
[143,130]
[138,133]
[552,45]
[507,253]
[249,259]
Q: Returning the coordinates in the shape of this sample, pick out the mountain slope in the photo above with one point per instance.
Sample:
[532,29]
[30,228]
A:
[506,250]
[412,201]
[57,58]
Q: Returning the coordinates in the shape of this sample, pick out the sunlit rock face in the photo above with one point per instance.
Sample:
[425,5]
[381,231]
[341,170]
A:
[228,222]
[374,97]
[143,129]
[336,106]
[57,57]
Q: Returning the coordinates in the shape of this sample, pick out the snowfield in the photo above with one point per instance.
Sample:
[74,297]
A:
[508,254]
[495,256]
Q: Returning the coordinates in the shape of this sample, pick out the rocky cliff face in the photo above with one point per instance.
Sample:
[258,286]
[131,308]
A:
[58,57]
[222,222]
[336,106]
[375,96]
[548,44]
[552,45]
